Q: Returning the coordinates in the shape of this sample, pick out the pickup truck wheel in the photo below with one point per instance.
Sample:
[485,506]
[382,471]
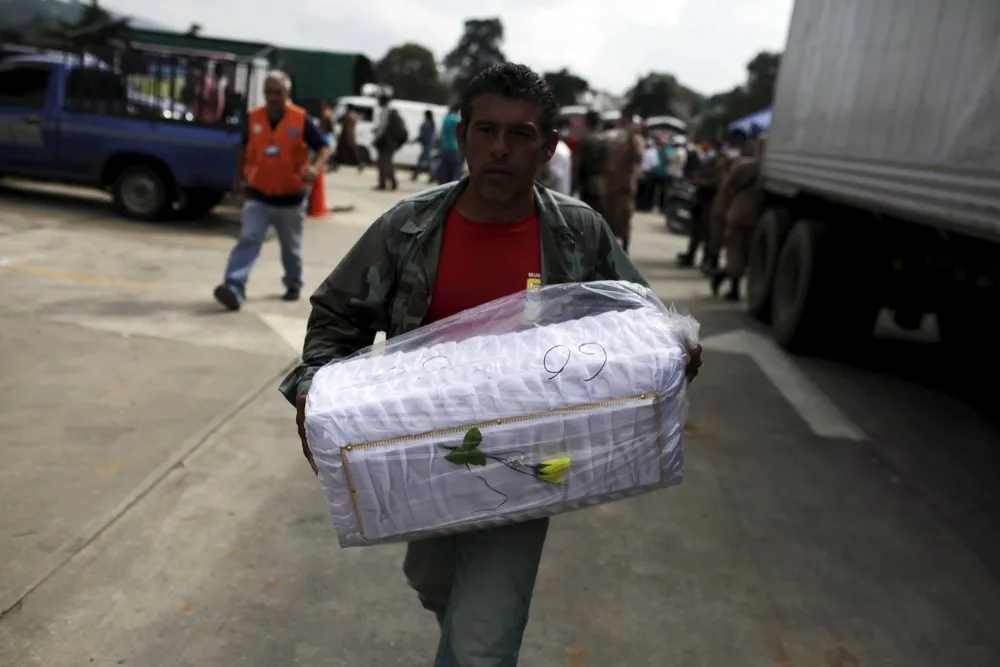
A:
[364,157]
[762,264]
[140,193]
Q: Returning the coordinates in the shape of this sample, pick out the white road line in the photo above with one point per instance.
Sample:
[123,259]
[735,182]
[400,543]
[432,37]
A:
[816,409]
[292,330]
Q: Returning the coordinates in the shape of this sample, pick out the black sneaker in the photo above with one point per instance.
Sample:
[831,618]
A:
[227,297]
[291,295]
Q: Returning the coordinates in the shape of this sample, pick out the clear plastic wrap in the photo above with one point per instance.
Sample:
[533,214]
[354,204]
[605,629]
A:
[539,403]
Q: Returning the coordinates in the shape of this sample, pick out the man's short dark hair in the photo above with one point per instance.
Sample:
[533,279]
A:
[592,120]
[515,82]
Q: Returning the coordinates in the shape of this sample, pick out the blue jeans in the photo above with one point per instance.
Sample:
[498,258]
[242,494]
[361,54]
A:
[450,168]
[288,222]
[423,162]
[479,586]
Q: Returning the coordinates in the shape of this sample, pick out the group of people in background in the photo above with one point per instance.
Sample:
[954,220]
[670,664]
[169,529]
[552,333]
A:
[210,93]
[345,141]
[602,171]
[440,157]
[664,161]
[614,173]
[626,171]
[728,206]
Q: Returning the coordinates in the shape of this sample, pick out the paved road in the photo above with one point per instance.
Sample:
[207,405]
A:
[154,500]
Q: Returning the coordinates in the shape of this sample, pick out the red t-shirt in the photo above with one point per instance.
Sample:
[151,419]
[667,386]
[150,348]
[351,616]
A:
[483,261]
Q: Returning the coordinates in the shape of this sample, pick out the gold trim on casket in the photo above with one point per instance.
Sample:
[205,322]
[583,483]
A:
[345,450]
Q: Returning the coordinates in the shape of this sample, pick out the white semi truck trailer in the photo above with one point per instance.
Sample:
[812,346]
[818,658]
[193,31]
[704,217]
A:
[882,175]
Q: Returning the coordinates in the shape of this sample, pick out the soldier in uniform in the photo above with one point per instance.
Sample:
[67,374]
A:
[589,162]
[707,179]
[438,253]
[743,202]
[723,199]
[621,180]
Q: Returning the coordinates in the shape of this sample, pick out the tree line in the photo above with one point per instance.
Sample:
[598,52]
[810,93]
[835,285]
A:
[61,24]
[413,72]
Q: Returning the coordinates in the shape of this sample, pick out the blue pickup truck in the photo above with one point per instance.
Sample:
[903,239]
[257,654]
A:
[81,121]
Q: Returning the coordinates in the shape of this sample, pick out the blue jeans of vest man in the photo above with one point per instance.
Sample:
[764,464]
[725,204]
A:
[257,217]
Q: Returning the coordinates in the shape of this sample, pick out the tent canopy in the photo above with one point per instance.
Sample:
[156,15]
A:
[754,124]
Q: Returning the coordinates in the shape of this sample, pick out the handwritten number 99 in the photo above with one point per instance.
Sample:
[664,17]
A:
[551,360]
[557,358]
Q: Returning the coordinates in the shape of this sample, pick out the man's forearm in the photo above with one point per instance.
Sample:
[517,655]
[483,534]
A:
[322,157]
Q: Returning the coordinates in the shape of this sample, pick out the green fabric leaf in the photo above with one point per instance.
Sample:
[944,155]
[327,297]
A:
[472,439]
[461,457]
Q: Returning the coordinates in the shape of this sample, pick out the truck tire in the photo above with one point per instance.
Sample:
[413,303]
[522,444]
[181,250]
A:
[198,203]
[817,304]
[962,328]
[364,156]
[140,193]
[762,263]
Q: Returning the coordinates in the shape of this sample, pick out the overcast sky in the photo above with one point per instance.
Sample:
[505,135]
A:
[705,43]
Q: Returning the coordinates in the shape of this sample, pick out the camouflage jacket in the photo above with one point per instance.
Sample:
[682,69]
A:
[386,280]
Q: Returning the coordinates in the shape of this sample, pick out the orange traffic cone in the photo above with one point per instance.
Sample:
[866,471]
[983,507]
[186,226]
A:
[317,198]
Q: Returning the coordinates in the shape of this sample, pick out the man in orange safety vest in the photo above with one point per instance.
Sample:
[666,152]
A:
[274,173]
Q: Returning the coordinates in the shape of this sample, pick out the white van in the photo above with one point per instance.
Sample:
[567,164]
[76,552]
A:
[610,120]
[368,113]
[668,123]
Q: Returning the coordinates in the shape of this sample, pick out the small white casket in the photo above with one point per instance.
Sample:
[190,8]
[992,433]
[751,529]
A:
[532,405]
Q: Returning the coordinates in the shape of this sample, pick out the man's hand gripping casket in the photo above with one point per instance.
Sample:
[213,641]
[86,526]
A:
[300,421]
[694,363]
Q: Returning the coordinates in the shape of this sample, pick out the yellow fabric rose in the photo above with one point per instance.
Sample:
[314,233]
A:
[552,470]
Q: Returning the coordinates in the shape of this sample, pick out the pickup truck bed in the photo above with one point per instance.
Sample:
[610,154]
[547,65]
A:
[81,122]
